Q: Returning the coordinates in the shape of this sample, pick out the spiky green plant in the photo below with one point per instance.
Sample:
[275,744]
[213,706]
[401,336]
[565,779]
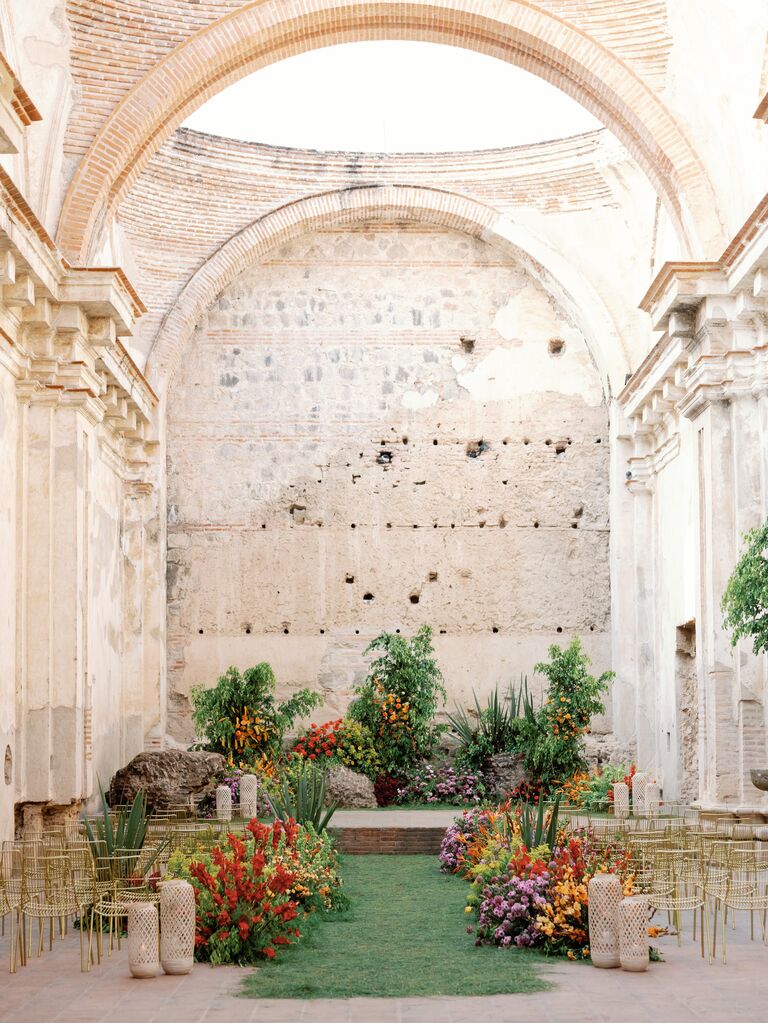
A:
[496,724]
[302,797]
[536,831]
[116,844]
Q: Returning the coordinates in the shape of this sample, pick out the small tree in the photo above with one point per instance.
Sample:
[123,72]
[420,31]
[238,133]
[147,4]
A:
[555,750]
[398,701]
[745,601]
[240,718]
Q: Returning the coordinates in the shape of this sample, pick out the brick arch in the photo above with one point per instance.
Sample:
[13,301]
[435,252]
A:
[265,31]
[387,202]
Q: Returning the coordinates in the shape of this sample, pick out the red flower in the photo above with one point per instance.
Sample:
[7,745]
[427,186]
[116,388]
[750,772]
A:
[268,952]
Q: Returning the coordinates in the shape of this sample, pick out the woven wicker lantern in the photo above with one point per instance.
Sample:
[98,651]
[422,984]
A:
[633,933]
[605,895]
[177,926]
[142,939]
[652,799]
[639,783]
[620,800]
[249,788]
[223,803]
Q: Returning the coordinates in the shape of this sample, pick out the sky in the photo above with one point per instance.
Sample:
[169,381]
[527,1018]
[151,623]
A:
[392,97]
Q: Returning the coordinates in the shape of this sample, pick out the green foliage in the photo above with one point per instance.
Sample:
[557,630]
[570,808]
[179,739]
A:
[399,699]
[240,718]
[745,601]
[600,784]
[124,834]
[496,726]
[552,737]
[537,832]
[300,795]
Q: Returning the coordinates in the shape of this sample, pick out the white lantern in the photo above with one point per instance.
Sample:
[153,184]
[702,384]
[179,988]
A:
[249,788]
[605,894]
[223,803]
[177,926]
[142,939]
[633,934]
[620,800]
[639,783]
[652,799]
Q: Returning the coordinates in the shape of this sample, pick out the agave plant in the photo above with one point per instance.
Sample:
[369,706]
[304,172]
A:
[302,797]
[494,728]
[116,843]
[537,831]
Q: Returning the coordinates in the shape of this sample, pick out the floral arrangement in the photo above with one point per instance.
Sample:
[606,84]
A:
[443,784]
[253,891]
[244,911]
[207,805]
[386,787]
[459,835]
[528,897]
[511,903]
[341,741]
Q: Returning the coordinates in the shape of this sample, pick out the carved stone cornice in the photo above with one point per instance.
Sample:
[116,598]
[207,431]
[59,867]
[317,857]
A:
[713,346]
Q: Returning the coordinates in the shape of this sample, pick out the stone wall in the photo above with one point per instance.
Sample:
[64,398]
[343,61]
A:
[374,429]
[8,447]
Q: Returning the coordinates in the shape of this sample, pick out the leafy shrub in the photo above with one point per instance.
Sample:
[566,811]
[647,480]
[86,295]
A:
[240,718]
[553,743]
[398,701]
[244,912]
[745,600]
[443,784]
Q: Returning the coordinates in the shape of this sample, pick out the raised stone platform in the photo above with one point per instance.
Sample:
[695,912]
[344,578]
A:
[403,832]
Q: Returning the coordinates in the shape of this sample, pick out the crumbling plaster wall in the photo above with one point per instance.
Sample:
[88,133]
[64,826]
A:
[8,435]
[339,463]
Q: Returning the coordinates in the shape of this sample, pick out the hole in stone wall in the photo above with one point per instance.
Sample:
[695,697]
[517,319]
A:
[405,440]
[442,632]
[414,598]
[502,522]
[536,525]
[547,441]
[349,578]
[467,344]
[285,632]
[384,458]
[397,631]
[353,525]
[559,628]
[263,525]
[247,630]
[526,440]
[389,525]
[8,766]
[433,577]
[367,596]
[322,632]
[556,346]
[475,448]
[560,448]
[574,525]
[495,628]
[357,632]
[200,632]
[435,441]
[578,512]
[599,440]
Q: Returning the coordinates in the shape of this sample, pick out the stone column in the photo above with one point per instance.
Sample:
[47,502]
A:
[719,739]
[53,596]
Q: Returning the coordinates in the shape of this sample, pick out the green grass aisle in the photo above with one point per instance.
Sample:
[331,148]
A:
[405,935]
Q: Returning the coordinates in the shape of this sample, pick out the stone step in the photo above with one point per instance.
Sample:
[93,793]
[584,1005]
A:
[401,841]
